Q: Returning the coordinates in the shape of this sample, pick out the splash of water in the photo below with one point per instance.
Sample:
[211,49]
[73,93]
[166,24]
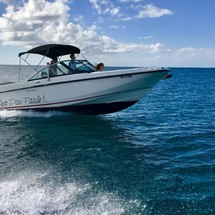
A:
[32,194]
[5,114]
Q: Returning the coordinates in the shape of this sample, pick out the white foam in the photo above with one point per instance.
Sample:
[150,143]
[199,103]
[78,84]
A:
[35,198]
[4,114]
[33,194]
[30,194]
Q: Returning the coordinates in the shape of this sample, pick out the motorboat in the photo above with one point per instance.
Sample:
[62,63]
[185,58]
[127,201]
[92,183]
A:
[57,86]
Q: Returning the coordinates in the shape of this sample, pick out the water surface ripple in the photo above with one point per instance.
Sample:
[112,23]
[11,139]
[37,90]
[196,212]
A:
[157,157]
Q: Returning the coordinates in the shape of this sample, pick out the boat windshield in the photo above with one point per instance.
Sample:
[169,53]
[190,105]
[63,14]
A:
[63,68]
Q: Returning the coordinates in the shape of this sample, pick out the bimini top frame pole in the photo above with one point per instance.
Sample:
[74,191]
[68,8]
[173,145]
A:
[52,51]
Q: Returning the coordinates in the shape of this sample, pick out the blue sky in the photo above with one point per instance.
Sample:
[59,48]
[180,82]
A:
[118,32]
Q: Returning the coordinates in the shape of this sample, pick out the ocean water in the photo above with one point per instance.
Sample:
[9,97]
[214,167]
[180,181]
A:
[154,158]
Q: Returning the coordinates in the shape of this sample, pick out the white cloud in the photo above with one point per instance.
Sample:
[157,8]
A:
[8,1]
[79,18]
[96,5]
[147,37]
[105,7]
[127,18]
[114,11]
[117,26]
[29,23]
[147,11]
[114,26]
[132,1]
[39,21]
[195,54]
[187,57]
[152,11]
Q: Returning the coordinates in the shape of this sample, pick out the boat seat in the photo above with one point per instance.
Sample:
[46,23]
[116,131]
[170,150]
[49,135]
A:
[44,75]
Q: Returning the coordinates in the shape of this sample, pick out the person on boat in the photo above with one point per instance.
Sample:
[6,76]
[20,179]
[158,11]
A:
[72,63]
[53,68]
[100,67]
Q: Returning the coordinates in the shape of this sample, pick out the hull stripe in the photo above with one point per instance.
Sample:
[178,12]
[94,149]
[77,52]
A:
[36,106]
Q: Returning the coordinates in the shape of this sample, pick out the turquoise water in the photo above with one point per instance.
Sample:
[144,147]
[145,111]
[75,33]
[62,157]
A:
[155,158]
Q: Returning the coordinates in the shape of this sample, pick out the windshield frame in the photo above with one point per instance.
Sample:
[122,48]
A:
[62,69]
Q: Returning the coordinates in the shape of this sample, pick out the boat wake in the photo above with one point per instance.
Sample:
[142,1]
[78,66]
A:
[33,194]
[5,114]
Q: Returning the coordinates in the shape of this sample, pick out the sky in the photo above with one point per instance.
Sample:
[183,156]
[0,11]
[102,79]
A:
[172,33]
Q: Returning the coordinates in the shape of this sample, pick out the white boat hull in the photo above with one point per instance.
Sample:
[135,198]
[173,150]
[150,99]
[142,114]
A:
[94,93]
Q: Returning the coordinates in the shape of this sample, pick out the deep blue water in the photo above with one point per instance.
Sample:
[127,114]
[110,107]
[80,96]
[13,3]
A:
[154,158]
